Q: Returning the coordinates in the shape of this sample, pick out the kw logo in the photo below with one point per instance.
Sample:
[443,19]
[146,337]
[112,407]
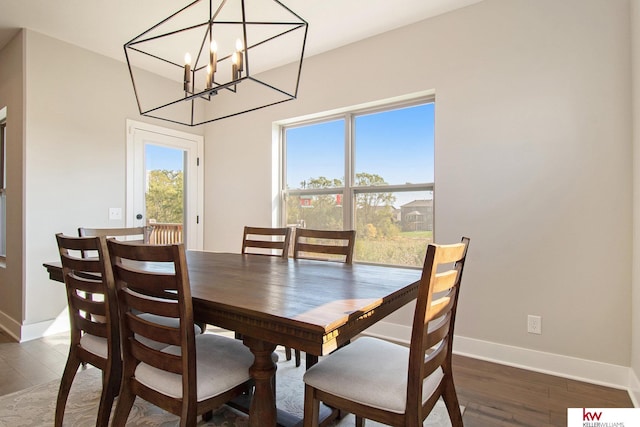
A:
[590,416]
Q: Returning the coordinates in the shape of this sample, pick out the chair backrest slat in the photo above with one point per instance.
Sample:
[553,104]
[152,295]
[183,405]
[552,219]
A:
[445,281]
[81,282]
[136,234]
[338,244]
[153,331]
[95,308]
[161,285]
[94,328]
[167,362]
[142,233]
[266,241]
[149,303]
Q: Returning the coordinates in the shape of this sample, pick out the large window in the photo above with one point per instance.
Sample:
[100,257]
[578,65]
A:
[371,170]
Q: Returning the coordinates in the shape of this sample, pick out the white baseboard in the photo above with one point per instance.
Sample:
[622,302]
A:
[634,388]
[42,329]
[621,377]
[590,371]
[22,333]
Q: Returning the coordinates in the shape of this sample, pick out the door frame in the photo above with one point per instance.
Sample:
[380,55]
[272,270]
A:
[194,177]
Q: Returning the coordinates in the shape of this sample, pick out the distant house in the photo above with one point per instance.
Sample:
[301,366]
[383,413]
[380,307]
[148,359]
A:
[417,215]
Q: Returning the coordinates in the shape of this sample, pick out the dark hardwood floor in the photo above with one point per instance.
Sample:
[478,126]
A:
[493,395]
[497,395]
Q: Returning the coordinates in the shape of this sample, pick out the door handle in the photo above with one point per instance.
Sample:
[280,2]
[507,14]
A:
[139,216]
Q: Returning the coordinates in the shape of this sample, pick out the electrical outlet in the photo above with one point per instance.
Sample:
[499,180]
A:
[534,324]
[115,214]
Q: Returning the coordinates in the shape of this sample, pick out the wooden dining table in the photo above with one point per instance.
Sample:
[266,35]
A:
[313,306]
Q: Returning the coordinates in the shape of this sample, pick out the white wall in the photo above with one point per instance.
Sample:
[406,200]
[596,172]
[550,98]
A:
[533,161]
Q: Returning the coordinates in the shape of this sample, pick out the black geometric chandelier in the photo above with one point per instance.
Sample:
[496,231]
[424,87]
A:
[215,59]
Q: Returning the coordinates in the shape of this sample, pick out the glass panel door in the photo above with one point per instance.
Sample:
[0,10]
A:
[164,183]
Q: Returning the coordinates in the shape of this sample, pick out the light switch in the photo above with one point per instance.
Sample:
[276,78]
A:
[115,214]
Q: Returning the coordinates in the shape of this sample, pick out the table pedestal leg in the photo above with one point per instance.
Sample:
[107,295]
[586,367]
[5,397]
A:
[262,412]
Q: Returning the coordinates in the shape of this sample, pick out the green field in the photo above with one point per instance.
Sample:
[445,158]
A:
[407,248]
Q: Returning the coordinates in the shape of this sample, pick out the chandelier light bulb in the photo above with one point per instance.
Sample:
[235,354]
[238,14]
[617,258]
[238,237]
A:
[234,66]
[213,56]
[187,71]
[239,48]
[209,76]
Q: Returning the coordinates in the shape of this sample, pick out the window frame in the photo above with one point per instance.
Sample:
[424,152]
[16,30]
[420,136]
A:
[349,190]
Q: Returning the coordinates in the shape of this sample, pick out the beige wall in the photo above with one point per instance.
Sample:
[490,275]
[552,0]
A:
[12,97]
[533,161]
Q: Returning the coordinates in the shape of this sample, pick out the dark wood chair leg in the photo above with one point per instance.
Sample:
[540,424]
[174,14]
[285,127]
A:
[123,407]
[451,402]
[311,408]
[111,378]
[70,369]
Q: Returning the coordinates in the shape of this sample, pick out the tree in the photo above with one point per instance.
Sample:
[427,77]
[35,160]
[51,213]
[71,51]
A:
[164,198]
[374,209]
[318,211]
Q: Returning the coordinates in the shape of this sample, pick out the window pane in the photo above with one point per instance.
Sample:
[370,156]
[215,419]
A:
[395,146]
[320,212]
[164,195]
[315,155]
[394,228]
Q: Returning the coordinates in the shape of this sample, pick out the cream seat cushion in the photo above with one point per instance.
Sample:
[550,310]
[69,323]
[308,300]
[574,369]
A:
[369,371]
[221,364]
[94,344]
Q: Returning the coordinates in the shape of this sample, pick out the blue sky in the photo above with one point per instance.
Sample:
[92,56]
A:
[397,145]
[158,157]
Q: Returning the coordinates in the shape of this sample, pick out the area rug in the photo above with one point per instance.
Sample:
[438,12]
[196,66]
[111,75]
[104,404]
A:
[35,406]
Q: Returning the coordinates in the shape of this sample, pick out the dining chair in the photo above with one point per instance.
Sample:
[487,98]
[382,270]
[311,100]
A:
[326,245]
[93,318]
[266,241]
[131,234]
[390,383]
[270,242]
[193,374]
